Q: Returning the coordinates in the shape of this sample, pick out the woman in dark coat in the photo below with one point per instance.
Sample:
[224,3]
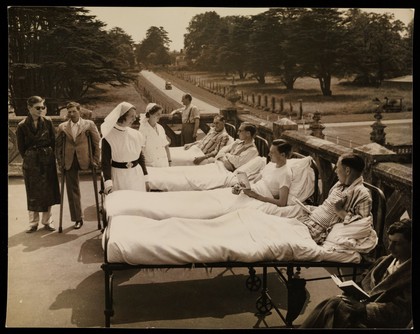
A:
[36,142]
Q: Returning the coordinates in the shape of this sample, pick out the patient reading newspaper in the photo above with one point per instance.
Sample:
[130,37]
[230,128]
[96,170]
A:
[350,288]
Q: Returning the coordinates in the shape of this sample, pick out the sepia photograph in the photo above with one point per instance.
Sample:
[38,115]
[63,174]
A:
[209,167]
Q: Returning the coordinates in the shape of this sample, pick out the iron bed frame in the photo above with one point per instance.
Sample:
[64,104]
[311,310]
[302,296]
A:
[264,303]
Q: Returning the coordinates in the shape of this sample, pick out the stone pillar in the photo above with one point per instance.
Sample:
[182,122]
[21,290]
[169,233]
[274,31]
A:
[281,105]
[259,100]
[265,101]
[378,134]
[273,103]
[282,125]
[372,154]
[316,126]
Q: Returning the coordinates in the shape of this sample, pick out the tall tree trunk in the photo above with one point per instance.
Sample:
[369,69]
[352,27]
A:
[325,83]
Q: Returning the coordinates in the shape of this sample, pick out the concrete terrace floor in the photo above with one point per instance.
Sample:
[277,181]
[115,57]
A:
[55,280]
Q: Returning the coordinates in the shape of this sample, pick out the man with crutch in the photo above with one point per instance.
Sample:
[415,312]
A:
[77,148]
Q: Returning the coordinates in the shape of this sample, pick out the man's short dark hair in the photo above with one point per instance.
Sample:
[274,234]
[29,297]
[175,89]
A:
[353,161]
[221,118]
[188,96]
[250,127]
[403,226]
[282,146]
[73,104]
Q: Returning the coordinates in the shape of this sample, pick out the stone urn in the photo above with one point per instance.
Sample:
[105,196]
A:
[233,95]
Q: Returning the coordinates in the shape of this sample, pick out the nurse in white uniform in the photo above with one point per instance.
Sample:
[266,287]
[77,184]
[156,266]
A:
[156,145]
[123,163]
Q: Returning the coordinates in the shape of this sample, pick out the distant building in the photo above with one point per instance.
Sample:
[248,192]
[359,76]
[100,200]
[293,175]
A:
[404,82]
[180,61]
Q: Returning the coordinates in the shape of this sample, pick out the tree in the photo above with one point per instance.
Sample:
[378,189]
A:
[199,42]
[154,49]
[58,53]
[264,46]
[124,47]
[234,53]
[318,44]
[375,47]
[408,42]
[287,67]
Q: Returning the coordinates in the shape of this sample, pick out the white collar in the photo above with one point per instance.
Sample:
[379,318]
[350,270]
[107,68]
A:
[121,128]
[73,124]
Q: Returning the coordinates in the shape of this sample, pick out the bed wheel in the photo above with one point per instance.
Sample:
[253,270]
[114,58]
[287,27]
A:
[264,305]
[253,282]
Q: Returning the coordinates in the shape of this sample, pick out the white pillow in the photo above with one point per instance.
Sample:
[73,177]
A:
[253,167]
[303,179]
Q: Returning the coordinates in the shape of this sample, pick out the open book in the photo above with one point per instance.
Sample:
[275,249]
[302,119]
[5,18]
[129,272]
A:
[243,180]
[303,206]
[350,288]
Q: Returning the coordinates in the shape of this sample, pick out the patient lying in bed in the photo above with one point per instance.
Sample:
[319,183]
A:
[245,235]
[211,203]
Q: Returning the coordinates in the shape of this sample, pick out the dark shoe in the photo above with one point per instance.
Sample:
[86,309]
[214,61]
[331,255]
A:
[32,229]
[78,224]
[49,227]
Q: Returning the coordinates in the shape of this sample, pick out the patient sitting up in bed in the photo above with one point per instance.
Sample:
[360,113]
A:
[241,150]
[347,201]
[212,142]
[276,176]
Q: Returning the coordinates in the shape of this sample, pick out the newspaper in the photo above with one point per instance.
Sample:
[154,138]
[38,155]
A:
[303,206]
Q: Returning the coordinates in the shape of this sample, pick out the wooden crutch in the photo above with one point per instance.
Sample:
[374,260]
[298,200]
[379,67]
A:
[63,177]
[95,184]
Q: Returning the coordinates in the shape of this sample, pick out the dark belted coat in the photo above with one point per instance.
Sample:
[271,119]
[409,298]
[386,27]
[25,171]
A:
[36,146]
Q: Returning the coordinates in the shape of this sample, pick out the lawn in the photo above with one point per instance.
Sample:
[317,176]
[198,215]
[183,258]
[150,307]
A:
[348,103]
[346,99]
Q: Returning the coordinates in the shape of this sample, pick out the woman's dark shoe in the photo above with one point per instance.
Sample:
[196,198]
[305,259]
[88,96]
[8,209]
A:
[78,224]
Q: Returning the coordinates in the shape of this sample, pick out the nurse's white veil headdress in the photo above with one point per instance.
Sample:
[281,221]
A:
[113,116]
[143,118]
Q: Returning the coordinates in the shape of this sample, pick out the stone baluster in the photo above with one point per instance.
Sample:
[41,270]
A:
[378,134]
[316,126]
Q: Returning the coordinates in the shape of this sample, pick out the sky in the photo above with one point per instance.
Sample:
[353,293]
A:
[135,21]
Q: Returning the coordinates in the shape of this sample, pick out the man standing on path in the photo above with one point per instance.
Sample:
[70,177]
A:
[73,154]
[190,120]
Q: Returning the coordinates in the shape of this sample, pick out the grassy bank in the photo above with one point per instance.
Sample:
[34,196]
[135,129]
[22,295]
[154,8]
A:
[103,98]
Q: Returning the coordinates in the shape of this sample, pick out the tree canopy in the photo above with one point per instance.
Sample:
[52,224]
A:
[296,42]
[60,52]
[154,49]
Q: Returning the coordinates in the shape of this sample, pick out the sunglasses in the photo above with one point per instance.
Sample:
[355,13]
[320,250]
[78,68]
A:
[40,108]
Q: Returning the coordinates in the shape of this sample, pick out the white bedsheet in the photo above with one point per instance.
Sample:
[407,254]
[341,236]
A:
[215,175]
[245,235]
[187,204]
[182,157]
[181,178]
